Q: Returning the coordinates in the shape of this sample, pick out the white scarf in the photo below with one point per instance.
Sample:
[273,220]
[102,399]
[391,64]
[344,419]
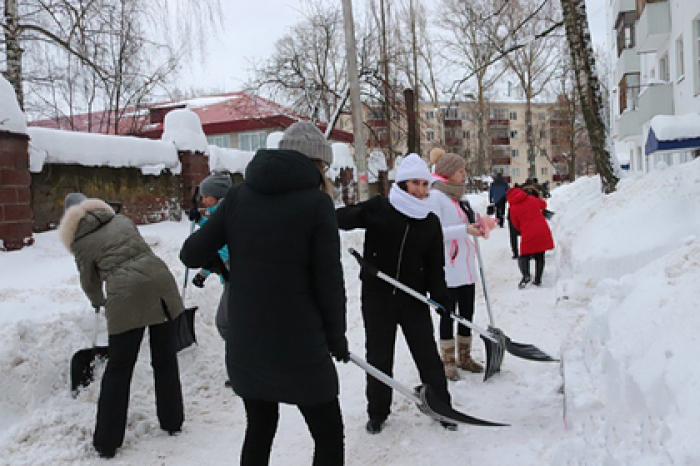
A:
[409,205]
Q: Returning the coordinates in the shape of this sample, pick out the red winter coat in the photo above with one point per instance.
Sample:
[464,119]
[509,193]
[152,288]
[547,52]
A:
[526,215]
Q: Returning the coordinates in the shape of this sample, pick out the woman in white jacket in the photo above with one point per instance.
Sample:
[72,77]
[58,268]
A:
[457,219]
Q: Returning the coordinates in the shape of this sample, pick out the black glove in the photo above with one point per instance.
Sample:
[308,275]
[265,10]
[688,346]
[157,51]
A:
[490,210]
[198,280]
[338,348]
[194,215]
[442,310]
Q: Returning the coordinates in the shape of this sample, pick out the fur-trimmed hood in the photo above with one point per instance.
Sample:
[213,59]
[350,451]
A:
[71,227]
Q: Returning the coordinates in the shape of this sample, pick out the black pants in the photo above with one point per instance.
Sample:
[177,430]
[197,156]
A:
[462,297]
[324,421]
[113,404]
[501,210]
[513,233]
[524,263]
[382,316]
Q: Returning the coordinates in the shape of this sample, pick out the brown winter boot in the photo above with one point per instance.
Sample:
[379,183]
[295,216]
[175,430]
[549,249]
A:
[465,358]
[448,359]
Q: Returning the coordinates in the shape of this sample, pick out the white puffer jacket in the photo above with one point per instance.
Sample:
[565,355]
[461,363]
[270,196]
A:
[460,251]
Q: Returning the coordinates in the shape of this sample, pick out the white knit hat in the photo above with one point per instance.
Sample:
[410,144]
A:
[413,168]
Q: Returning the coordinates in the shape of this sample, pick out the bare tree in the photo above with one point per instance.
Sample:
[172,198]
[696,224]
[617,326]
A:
[588,86]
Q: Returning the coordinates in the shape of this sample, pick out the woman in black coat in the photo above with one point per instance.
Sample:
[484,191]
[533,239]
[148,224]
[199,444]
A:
[403,238]
[286,310]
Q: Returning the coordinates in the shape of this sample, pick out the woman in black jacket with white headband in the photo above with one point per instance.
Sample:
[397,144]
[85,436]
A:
[403,239]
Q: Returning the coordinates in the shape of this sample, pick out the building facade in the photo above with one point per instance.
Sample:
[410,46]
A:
[655,45]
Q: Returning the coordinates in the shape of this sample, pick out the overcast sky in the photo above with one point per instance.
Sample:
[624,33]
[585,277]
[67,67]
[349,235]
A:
[251,28]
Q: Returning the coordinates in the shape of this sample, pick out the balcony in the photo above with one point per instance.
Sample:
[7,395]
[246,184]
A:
[453,142]
[629,124]
[453,123]
[557,177]
[627,63]
[494,122]
[623,6]
[505,141]
[655,100]
[653,26]
[500,161]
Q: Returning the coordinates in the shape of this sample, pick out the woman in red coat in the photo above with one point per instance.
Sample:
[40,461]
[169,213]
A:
[536,237]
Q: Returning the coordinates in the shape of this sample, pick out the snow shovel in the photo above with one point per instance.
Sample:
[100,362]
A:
[424,397]
[185,321]
[521,350]
[82,364]
[494,341]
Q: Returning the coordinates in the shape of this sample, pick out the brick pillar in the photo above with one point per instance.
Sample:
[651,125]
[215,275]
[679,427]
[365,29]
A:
[195,167]
[16,216]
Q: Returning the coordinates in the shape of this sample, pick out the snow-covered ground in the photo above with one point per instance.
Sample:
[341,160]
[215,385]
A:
[617,302]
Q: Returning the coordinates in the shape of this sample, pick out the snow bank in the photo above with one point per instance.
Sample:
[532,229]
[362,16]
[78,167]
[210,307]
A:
[375,164]
[98,150]
[230,160]
[11,116]
[183,128]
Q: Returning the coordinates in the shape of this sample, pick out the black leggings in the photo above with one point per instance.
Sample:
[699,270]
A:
[324,420]
[524,263]
[463,298]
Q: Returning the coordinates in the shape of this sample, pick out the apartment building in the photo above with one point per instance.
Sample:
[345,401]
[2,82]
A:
[655,107]
[455,127]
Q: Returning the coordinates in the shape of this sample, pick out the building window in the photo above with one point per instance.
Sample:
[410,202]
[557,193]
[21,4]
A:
[513,116]
[450,113]
[543,153]
[220,140]
[544,171]
[514,153]
[513,134]
[624,29]
[252,141]
[629,92]
[664,73]
[430,115]
[680,65]
[466,135]
[498,114]
[696,58]
[541,116]
[543,134]
[515,171]
[430,135]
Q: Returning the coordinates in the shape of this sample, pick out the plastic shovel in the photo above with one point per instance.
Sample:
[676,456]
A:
[82,364]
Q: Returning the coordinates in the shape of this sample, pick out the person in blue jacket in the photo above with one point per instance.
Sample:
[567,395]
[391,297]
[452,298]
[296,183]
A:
[497,197]
[213,189]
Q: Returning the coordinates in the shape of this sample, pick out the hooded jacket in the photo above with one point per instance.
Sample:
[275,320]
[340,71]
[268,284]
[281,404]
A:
[287,296]
[109,249]
[526,214]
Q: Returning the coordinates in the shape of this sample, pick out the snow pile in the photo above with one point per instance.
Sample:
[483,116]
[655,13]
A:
[11,116]
[183,128]
[676,127]
[230,160]
[98,150]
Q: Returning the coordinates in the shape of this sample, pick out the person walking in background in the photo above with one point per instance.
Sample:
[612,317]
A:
[527,215]
[513,232]
[457,219]
[286,307]
[141,292]
[497,194]
[213,189]
[403,239]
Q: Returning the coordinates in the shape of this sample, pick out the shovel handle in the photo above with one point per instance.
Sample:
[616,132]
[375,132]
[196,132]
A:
[382,377]
[95,324]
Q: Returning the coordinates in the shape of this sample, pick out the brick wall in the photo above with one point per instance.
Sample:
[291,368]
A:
[143,198]
[15,199]
[195,167]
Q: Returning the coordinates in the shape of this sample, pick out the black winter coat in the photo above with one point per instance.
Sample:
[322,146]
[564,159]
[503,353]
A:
[286,297]
[407,249]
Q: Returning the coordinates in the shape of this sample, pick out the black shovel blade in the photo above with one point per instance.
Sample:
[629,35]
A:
[526,351]
[437,409]
[185,328]
[82,367]
[494,352]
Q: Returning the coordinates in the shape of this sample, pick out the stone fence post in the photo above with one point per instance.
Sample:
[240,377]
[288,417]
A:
[16,217]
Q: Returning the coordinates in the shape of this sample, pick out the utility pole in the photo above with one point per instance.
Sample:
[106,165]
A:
[355,104]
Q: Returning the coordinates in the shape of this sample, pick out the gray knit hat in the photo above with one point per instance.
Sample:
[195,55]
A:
[73,199]
[304,137]
[215,185]
[448,164]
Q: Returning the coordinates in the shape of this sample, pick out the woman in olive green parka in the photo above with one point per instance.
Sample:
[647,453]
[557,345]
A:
[140,292]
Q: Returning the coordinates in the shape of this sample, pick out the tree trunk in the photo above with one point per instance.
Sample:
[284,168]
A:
[588,87]
[13,50]
[413,141]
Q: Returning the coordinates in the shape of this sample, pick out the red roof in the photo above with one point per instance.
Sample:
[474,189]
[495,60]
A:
[224,113]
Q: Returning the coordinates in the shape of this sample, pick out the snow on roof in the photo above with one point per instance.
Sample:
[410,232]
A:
[230,160]
[11,116]
[96,150]
[342,158]
[676,127]
[183,128]
[199,101]
[375,164]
